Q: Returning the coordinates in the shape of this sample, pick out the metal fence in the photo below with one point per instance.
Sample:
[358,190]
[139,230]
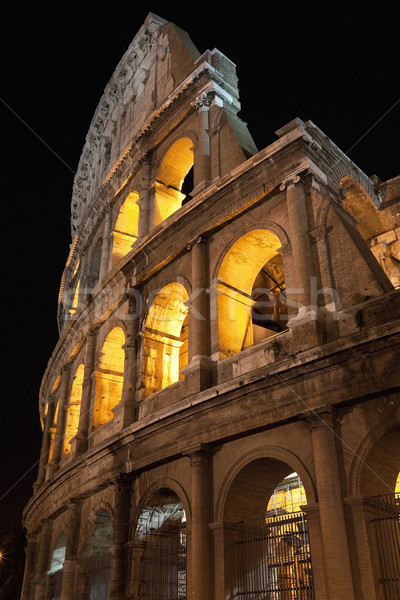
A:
[99,576]
[384,538]
[273,558]
[163,573]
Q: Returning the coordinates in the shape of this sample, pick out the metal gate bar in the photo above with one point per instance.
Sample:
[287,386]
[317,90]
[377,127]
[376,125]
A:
[385,538]
[273,557]
[99,576]
[164,566]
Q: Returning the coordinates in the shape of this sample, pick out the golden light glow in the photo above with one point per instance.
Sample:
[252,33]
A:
[109,377]
[288,497]
[126,228]
[74,407]
[397,488]
[239,279]
[165,339]
[170,177]
[74,306]
[53,430]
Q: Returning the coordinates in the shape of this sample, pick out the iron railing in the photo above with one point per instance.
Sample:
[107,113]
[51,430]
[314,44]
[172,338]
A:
[273,559]
[384,538]
[99,576]
[164,560]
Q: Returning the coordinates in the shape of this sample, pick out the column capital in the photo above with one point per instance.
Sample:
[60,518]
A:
[290,182]
[203,101]
[198,450]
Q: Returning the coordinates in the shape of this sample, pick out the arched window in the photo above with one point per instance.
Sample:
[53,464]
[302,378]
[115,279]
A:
[97,558]
[272,551]
[56,566]
[251,292]
[175,168]
[53,429]
[161,533]
[126,227]
[95,261]
[109,377]
[165,343]
[74,408]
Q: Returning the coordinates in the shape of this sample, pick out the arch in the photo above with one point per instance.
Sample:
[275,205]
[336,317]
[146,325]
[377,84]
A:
[163,510]
[125,232]
[165,338]
[251,291]
[160,534]
[263,538]
[266,467]
[55,571]
[94,264]
[96,555]
[174,167]
[379,468]
[109,376]
[74,408]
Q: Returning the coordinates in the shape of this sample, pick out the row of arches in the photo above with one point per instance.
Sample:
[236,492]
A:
[251,306]
[268,547]
[160,561]
[172,185]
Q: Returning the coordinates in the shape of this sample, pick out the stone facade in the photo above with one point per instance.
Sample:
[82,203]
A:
[228,317]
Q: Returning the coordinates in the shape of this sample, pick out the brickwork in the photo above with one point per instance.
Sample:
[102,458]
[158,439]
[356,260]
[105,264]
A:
[206,415]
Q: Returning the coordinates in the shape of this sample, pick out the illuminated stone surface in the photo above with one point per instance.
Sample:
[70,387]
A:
[228,318]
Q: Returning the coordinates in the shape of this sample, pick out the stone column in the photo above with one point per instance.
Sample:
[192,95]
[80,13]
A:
[105,249]
[46,439]
[58,447]
[202,161]
[304,322]
[83,291]
[300,241]
[331,511]
[119,560]
[42,563]
[144,199]
[200,564]
[198,371]
[79,443]
[366,584]
[69,570]
[126,411]
[30,553]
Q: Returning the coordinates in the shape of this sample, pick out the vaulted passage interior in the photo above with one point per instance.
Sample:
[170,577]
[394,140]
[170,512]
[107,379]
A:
[270,553]
[165,344]
[174,168]
[109,377]
[251,292]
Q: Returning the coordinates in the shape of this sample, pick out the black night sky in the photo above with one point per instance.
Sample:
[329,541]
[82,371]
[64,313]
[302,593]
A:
[339,69]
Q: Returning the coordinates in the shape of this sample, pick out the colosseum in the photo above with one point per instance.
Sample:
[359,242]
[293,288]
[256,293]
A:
[221,412]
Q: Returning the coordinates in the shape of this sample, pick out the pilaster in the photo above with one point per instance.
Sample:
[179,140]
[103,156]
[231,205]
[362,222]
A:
[332,518]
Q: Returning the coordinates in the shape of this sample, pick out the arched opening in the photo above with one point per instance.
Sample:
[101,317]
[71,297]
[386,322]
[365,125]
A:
[97,557]
[251,292]
[126,228]
[165,339]
[75,299]
[380,482]
[161,540]
[55,572]
[271,557]
[174,169]
[74,408]
[52,431]
[109,377]
[95,262]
